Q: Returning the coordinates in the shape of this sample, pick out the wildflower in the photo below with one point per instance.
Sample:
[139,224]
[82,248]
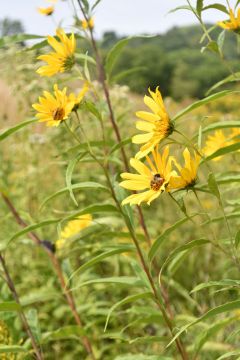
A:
[62,59]
[154,179]
[77,99]
[235,133]
[156,125]
[188,173]
[214,143]
[46,11]
[233,23]
[87,24]
[54,109]
[73,228]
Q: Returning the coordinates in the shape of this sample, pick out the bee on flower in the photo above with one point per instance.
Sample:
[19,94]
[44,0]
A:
[62,58]
[46,11]
[188,173]
[87,24]
[72,228]
[156,125]
[53,109]
[233,23]
[154,178]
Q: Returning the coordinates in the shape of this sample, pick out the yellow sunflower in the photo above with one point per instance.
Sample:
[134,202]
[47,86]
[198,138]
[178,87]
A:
[46,11]
[62,59]
[215,142]
[87,24]
[73,228]
[235,133]
[188,173]
[156,124]
[77,99]
[154,178]
[54,108]
[233,23]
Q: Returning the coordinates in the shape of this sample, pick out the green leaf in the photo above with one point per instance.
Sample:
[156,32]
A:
[190,245]
[237,239]
[9,306]
[216,6]
[229,354]
[93,109]
[233,305]
[222,283]
[199,7]
[95,4]
[85,57]
[160,239]
[185,7]
[142,357]
[11,349]
[223,151]
[18,38]
[92,209]
[213,186]
[128,299]
[96,259]
[114,53]
[69,173]
[202,102]
[66,332]
[126,73]
[231,78]
[32,227]
[220,125]
[32,317]
[220,40]
[78,186]
[14,129]
[121,280]
[121,144]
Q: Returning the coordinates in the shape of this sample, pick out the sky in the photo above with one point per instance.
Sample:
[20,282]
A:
[126,17]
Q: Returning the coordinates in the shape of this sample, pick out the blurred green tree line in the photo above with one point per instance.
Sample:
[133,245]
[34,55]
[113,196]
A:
[173,61]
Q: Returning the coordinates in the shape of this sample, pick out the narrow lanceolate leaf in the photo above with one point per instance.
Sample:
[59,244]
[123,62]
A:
[190,245]
[220,125]
[78,186]
[222,283]
[69,173]
[120,280]
[216,6]
[199,7]
[114,53]
[202,102]
[92,209]
[185,7]
[4,349]
[100,257]
[213,186]
[237,239]
[14,129]
[33,227]
[120,145]
[228,79]
[160,239]
[66,332]
[233,305]
[14,39]
[229,354]
[9,306]
[223,151]
[127,300]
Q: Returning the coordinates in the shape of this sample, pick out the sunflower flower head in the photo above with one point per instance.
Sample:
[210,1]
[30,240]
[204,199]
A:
[78,99]
[87,24]
[233,23]
[188,173]
[153,179]
[215,142]
[156,124]
[62,58]
[54,108]
[46,11]
[73,228]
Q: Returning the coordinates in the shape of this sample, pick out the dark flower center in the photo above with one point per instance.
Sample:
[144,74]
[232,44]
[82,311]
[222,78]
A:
[156,182]
[58,114]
